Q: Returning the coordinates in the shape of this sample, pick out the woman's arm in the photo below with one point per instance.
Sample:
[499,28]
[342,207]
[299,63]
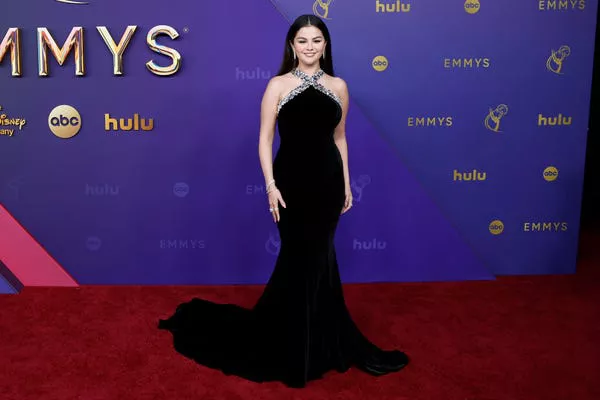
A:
[268,115]
[340,139]
[268,110]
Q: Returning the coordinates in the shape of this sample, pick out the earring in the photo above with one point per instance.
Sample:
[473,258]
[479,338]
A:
[323,54]
[294,54]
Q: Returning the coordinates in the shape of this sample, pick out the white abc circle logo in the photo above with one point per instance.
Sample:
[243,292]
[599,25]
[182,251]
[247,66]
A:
[64,121]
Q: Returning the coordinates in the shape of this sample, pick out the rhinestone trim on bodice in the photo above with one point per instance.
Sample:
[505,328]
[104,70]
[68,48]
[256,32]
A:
[307,81]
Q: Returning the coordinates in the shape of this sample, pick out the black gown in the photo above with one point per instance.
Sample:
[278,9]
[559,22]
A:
[300,327]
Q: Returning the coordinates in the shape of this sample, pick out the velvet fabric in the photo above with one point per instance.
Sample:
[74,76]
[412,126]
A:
[300,327]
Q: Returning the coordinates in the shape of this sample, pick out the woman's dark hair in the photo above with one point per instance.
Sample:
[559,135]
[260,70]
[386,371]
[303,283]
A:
[288,62]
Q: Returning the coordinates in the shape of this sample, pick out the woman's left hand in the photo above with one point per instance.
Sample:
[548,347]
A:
[348,201]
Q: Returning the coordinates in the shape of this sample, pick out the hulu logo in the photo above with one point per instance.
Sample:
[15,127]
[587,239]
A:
[392,7]
[471,176]
[554,121]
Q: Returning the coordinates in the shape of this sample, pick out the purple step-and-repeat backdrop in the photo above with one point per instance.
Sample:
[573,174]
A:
[129,130]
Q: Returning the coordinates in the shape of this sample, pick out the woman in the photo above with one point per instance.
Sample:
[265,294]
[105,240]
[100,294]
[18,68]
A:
[300,327]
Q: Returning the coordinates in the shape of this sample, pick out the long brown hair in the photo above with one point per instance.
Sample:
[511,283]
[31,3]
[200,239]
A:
[288,62]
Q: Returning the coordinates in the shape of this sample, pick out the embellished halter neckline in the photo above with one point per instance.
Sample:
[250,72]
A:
[307,81]
[304,76]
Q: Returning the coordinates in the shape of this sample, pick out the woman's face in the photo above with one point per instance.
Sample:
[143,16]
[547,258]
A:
[309,45]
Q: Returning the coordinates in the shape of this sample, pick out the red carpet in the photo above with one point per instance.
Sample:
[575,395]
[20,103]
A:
[517,338]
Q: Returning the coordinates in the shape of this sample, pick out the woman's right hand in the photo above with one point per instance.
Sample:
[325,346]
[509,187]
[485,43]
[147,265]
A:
[274,200]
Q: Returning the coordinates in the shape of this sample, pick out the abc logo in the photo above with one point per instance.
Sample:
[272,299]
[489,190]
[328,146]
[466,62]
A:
[93,243]
[550,174]
[472,6]
[380,63]
[496,227]
[181,189]
[64,121]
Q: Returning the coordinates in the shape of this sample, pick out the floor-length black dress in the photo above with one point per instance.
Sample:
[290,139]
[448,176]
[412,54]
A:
[300,327]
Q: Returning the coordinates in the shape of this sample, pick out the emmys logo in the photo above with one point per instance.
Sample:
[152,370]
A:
[273,243]
[472,6]
[47,46]
[550,174]
[374,244]
[379,63]
[181,189]
[429,121]
[496,227]
[473,176]
[181,244]
[252,74]
[64,121]
[255,189]
[545,227]
[554,121]
[321,8]
[492,120]
[466,63]
[135,124]
[561,5]
[392,7]
[9,125]
[101,190]
[554,63]
[357,186]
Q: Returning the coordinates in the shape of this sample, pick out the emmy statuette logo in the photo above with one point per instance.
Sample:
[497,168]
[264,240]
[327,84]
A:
[358,186]
[64,121]
[492,120]
[554,63]
[273,243]
[14,187]
[321,8]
